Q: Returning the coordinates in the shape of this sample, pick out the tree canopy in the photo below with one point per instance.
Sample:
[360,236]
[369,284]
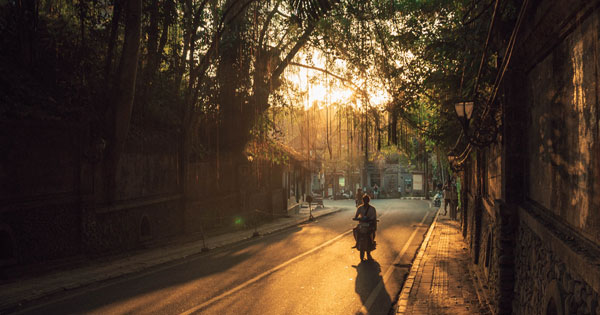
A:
[210,71]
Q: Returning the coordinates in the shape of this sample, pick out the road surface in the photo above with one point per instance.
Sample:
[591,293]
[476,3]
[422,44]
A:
[307,269]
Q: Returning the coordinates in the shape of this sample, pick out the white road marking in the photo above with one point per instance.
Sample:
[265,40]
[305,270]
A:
[264,274]
[371,299]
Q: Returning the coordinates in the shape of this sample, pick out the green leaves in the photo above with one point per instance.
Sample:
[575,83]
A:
[312,9]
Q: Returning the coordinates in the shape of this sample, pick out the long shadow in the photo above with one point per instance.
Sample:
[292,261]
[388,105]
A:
[174,286]
[167,276]
[367,280]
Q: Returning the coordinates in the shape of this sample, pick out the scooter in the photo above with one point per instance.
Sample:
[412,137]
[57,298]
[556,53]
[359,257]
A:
[437,200]
[364,237]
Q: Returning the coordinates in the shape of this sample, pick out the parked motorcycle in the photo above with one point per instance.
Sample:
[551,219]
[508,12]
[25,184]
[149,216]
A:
[364,236]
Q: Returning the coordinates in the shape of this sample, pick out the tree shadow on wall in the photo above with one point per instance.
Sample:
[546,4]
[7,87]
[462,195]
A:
[563,143]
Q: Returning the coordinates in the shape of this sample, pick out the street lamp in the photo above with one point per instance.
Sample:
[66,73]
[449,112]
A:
[464,110]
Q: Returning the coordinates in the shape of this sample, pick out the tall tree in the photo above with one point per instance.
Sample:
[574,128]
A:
[119,114]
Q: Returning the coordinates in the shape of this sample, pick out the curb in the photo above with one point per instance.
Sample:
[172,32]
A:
[99,277]
[235,240]
[410,279]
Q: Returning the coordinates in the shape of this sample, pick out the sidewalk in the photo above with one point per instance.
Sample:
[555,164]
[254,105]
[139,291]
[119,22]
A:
[439,280]
[15,294]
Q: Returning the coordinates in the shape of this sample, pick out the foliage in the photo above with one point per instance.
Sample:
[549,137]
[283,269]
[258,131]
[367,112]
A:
[213,74]
[424,53]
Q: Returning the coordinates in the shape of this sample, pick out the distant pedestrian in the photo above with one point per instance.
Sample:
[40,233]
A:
[453,202]
[376,191]
[447,196]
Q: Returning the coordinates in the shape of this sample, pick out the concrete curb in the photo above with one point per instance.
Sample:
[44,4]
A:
[412,198]
[410,279]
[275,229]
[126,266]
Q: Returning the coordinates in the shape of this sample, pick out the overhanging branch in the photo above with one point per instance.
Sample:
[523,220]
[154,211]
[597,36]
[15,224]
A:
[354,87]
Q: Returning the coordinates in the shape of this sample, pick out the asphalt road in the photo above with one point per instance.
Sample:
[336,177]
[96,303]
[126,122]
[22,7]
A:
[308,269]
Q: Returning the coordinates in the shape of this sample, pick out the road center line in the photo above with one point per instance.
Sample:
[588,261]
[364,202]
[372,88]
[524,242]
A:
[264,274]
[371,299]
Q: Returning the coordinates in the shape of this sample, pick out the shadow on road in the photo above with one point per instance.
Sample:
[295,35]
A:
[179,286]
[367,279]
[158,283]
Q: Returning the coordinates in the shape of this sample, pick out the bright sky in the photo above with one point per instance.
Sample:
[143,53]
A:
[325,89]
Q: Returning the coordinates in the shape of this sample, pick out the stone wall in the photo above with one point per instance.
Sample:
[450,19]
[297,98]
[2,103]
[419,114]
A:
[112,230]
[148,204]
[557,244]
[547,283]
[562,99]
[532,201]
[143,175]
[489,225]
[52,193]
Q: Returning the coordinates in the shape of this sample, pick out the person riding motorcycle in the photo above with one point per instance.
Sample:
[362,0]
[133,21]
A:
[366,212]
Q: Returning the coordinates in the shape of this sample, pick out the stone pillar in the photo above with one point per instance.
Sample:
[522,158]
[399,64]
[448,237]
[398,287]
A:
[514,159]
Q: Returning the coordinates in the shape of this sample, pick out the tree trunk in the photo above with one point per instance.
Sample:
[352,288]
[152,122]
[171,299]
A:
[114,28]
[124,91]
[394,128]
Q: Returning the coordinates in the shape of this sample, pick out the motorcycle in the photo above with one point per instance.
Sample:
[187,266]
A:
[437,200]
[364,236]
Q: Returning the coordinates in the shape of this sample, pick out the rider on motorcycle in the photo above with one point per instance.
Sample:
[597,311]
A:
[368,213]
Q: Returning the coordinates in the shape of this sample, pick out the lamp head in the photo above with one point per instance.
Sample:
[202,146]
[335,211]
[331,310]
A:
[464,110]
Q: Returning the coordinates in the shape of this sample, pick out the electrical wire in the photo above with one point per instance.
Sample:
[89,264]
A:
[499,76]
[485,49]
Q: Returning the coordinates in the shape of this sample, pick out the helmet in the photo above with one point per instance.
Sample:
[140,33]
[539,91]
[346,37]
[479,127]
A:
[366,198]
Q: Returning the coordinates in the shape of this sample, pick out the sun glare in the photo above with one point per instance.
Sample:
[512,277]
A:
[325,90]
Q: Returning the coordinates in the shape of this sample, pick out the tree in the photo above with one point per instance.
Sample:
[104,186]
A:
[124,90]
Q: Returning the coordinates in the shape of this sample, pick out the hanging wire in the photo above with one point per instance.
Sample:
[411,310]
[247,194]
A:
[485,49]
[509,51]
[504,66]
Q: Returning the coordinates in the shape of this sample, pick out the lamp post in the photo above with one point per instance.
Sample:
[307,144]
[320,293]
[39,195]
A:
[464,111]
[486,127]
